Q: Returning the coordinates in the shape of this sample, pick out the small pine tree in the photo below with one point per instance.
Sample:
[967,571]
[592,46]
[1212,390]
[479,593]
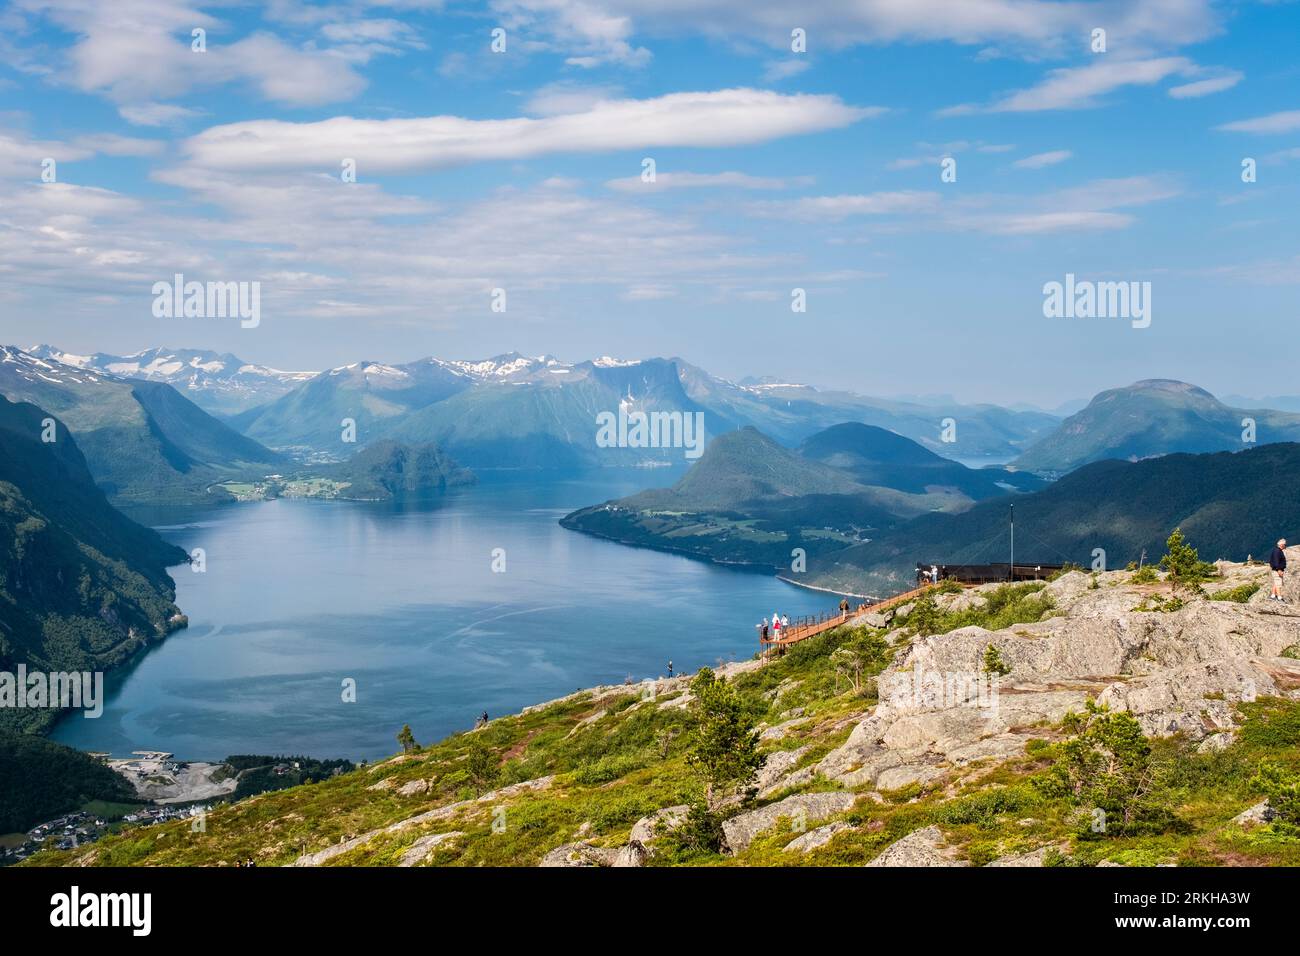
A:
[1183,562]
[481,765]
[724,742]
[993,662]
[406,739]
[859,654]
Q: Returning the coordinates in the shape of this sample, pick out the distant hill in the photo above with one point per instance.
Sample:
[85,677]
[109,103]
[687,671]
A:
[143,441]
[877,456]
[388,469]
[1229,504]
[218,382]
[1149,418]
[749,500]
[82,587]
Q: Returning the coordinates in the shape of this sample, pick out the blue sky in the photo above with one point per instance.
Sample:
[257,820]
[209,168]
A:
[775,170]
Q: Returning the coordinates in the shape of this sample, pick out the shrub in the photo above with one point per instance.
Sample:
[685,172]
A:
[1106,766]
[1240,594]
[1282,788]
[1145,575]
[993,662]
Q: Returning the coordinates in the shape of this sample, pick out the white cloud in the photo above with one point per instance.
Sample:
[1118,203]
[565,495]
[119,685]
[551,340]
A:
[1215,84]
[1073,88]
[675,180]
[1034,27]
[1284,122]
[1099,204]
[138,52]
[832,208]
[777,70]
[155,114]
[708,119]
[1039,160]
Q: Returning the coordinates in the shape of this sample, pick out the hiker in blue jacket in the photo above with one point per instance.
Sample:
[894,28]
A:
[1277,561]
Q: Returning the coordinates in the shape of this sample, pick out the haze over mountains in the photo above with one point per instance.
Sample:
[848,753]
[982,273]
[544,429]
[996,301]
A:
[141,423]
[513,411]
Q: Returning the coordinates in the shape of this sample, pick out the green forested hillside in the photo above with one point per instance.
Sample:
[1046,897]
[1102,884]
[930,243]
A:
[388,469]
[82,587]
[1233,504]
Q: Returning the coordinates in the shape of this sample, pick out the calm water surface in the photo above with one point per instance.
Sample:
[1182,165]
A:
[299,595]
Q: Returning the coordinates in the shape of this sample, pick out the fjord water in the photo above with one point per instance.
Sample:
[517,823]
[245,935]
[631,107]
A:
[299,595]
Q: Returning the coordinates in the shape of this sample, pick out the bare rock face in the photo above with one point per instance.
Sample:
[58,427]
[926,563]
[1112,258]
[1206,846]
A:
[422,847]
[776,766]
[802,808]
[648,829]
[1032,858]
[924,847]
[817,838]
[1183,671]
[580,854]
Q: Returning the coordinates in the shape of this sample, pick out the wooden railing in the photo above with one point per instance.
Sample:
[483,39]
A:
[810,625]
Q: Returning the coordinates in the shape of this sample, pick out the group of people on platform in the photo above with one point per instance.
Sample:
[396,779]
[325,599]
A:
[774,630]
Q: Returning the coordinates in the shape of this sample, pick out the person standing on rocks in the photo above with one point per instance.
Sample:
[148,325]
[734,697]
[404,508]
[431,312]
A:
[844,609]
[1277,561]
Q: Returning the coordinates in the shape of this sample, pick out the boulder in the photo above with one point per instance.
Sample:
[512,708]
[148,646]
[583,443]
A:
[422,847]
[923,847]
[817,838]
[646,830]
[1031,858]
[802,808]
[580,854]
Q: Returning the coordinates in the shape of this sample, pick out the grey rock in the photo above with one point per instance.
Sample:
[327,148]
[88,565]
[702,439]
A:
[741,830]
[924,847]
[818,837]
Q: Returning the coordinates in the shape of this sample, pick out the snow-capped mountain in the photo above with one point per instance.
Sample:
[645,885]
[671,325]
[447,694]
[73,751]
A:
[221,384]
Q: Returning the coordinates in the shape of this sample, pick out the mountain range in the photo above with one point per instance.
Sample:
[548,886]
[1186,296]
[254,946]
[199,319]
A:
[219,383]
[513,411]
[143,441]
[865,507]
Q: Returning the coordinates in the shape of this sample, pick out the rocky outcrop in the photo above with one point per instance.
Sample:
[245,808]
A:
[801,809]
[580,854]
[1179,672]
[817,838]
[923,847]
[648,829]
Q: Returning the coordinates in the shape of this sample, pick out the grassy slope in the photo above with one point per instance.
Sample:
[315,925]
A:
[618,758]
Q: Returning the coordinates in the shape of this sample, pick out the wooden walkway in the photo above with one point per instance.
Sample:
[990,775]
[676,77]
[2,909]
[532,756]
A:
[812,625]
